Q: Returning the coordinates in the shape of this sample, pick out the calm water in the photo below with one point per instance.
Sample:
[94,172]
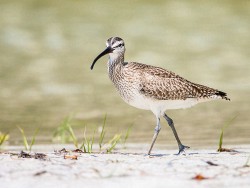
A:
[47,47]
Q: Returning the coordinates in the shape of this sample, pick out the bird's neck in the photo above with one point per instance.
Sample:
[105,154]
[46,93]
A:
[114,60]
[114,64]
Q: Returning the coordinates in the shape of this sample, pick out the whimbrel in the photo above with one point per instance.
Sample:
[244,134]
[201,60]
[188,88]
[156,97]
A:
[153,88]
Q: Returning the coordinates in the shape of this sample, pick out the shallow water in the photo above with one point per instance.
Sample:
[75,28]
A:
[47,48]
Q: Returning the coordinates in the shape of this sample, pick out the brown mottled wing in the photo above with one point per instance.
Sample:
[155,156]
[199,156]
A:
[161,84]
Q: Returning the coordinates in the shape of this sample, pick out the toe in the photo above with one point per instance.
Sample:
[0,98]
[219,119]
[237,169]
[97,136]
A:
[182,149]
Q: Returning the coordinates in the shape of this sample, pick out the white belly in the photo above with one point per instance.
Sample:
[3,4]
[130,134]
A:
[160,106]
[139,101]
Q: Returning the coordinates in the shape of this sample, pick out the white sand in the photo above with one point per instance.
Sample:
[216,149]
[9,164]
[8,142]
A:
[133,169]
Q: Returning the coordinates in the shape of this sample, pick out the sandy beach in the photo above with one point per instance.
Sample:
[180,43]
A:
[49,95]
[127,168]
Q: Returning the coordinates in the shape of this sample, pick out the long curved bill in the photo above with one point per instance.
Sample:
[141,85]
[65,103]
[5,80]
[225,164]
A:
[106,51]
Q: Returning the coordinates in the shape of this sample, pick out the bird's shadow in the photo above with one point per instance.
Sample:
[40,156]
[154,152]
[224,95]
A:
[157,155]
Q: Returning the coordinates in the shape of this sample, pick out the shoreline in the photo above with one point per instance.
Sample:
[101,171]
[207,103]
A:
[128,147]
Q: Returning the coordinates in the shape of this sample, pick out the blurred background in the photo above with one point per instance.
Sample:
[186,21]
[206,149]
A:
[47,47]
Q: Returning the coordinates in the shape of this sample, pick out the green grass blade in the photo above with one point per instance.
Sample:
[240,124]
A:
[83,147]
[221,140]
[3,138]
[61,133]
[84,141]
[229,122]
[101,138]
[88,144]
[222,131]
[113,142]
[92,140]
[33,139]
[127,134]
[25,142]
[72,134]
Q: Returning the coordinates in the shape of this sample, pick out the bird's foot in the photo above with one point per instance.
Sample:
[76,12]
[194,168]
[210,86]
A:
[182,149]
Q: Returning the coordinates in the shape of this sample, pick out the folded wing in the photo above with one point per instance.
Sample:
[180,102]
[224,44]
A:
[161,84]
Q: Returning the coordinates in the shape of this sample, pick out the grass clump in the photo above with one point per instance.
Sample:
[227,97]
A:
[113,142]
[62,132]
[65,133]
[127,134]
[87,144]
[28,146]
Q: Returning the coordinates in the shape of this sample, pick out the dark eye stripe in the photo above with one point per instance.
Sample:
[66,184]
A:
[120,45]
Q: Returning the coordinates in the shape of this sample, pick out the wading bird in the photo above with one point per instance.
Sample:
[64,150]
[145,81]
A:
[153,88]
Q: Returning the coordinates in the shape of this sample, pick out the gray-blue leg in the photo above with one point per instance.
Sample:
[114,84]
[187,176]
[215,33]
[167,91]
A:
[157,130]
[171,124]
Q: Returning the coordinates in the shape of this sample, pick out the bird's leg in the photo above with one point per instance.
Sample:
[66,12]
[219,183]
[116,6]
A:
[157,130]
[171,124]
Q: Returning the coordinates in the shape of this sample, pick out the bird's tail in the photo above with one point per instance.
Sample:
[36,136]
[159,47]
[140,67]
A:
[223,95]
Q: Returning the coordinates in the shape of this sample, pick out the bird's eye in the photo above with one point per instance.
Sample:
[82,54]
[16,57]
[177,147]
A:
[120,45]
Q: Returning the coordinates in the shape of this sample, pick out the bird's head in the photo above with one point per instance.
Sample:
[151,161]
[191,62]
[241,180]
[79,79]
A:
[115,48]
